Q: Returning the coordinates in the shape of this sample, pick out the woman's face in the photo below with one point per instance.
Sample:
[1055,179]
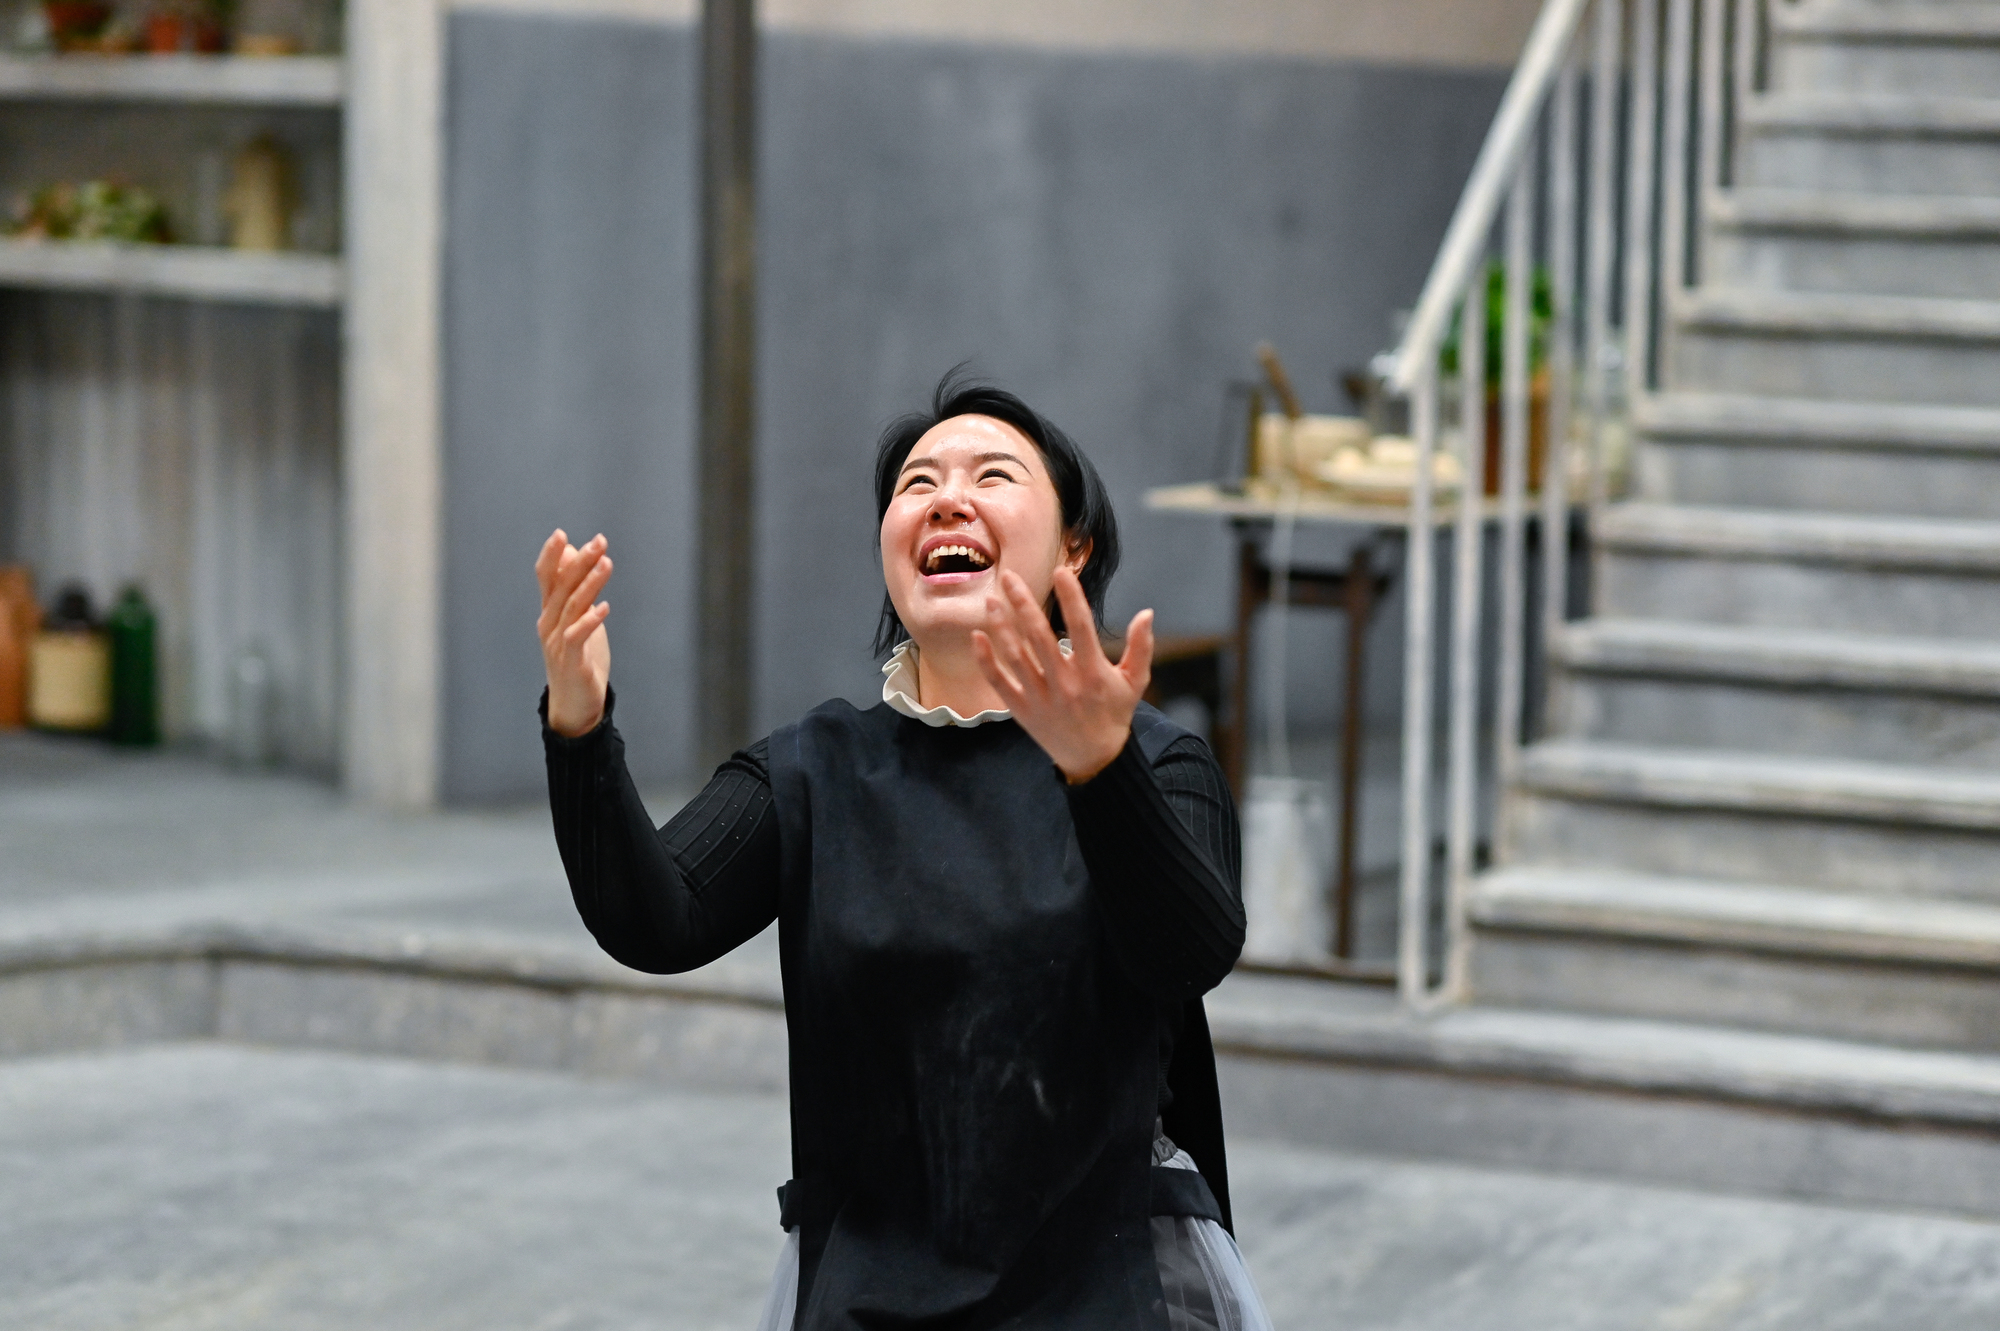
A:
[973,498]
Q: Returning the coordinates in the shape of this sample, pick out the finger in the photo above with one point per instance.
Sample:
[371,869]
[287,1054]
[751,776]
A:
[1137,663]
[1032,623]
[1079,619]
[586,591]
[586,624]
[575,567]
[548,621]
[996,674]
[547,561]
[552,598]
[1007,629]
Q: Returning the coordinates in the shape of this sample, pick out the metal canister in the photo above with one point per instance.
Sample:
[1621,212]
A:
[69,668]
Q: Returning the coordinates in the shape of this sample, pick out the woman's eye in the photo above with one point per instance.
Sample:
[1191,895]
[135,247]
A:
[914,481]
[996,474]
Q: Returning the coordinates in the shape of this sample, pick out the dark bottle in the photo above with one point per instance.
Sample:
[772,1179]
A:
[135,670]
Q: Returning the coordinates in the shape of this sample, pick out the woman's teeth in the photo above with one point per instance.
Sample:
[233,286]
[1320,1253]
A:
[935,561]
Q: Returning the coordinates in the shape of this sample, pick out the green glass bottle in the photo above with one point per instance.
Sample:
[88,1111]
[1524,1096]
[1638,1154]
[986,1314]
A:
[135,670]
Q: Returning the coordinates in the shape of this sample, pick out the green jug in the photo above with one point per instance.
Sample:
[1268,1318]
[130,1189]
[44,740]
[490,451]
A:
[135,670]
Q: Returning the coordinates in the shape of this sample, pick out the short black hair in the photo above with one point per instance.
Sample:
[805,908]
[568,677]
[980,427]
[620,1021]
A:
[1086,507]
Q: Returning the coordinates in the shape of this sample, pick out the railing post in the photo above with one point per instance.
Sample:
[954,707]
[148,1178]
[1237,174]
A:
[1714,34]
[1674,157]
[1606,221]
[1749,36]
[1420,584]
[1468,547]
[1516,362]
[1563,224]
[1641,256]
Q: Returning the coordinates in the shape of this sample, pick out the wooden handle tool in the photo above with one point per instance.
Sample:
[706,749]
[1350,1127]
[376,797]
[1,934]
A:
[1281,383]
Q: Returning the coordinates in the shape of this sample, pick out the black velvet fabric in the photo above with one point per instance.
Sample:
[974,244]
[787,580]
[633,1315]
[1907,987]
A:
[992,987]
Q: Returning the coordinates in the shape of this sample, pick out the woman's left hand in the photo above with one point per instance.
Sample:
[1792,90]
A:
[1077,707]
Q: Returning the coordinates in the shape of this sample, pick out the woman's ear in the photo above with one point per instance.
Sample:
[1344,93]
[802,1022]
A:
[1077,555]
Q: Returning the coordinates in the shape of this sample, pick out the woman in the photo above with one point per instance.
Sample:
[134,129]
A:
[1000,897]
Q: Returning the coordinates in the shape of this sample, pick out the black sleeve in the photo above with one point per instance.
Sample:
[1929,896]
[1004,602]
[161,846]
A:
[671,899]
[1161,842]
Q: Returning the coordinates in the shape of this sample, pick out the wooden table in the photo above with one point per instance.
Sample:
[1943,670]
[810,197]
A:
[1355,591]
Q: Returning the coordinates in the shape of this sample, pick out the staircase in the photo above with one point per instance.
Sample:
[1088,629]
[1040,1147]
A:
[1770,796]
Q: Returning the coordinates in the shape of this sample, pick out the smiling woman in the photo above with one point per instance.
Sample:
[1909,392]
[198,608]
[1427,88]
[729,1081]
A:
[1000,896]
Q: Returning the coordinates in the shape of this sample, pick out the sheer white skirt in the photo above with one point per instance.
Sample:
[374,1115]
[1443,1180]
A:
[1207,1285]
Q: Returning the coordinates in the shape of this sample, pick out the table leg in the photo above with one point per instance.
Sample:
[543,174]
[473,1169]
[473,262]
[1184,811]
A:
[1359,596]
[1236,760]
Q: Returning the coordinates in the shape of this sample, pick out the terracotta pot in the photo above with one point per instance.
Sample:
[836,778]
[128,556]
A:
[1538,434]
[20,617]
[169,32]
[74,24]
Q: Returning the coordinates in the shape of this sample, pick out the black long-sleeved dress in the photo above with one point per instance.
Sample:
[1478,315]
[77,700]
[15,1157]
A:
[992,989]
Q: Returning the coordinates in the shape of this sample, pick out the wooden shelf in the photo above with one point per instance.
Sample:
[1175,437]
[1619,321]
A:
[301,80]
[190,271]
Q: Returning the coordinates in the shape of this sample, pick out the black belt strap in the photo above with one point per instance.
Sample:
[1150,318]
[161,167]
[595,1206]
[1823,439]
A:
[1181,1192]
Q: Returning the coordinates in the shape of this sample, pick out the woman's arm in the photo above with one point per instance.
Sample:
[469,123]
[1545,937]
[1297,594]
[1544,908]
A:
[670,899]
[1160,840]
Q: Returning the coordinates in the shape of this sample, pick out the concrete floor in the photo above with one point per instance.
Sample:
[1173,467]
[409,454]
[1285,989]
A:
[96,839]
[93,841]
[210,1186]
[205,1186]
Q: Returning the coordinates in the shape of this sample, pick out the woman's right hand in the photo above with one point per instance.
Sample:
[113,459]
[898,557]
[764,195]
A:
[575,647]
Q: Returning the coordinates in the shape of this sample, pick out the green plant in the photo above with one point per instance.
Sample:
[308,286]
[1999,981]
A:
[94,210]
[1541,312]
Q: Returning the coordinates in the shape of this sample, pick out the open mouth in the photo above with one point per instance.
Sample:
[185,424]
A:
[955,559]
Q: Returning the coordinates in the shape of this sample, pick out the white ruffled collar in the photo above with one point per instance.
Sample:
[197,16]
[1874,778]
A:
[900,691]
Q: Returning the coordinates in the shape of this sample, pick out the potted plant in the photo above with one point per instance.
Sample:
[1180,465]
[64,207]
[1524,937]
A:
[76,25]
[1541,312]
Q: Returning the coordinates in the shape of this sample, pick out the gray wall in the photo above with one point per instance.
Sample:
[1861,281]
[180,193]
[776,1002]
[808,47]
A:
[1108,234]
[569,372]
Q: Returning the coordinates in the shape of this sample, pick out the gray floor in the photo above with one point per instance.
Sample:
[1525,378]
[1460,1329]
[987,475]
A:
[95,841]
[203,1186]
[206,1186]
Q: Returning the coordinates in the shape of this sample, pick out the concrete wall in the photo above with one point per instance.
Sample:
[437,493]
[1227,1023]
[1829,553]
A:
[1106,232]
[569,372]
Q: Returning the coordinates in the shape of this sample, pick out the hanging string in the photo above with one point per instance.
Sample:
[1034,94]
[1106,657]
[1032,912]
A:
[1277,735]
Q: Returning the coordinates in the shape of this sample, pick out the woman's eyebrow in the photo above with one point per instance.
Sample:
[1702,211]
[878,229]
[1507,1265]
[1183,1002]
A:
[978,461]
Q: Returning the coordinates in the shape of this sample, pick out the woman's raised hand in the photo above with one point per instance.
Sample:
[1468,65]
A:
[575,647]
[1077,707]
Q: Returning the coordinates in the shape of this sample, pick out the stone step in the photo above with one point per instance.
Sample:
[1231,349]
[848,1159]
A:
[1865,348]
[1301,1060]
[1819,456]
[1878,829]
[1894,245]
[1870,144]
[1779,691]
[1700,1105]
[1899,577]
[1910,49]
[1903,971]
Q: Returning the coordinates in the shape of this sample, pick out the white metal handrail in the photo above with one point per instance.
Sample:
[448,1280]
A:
[1465,243]
[1595,210]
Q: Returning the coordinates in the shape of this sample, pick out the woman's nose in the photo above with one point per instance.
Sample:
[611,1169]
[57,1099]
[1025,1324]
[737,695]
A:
[948,502]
